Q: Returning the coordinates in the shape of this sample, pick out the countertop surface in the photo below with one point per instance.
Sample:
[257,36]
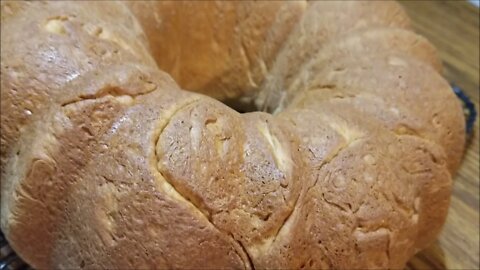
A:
[453,27]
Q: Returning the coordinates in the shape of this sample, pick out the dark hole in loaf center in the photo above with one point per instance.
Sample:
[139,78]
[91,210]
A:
[241,106]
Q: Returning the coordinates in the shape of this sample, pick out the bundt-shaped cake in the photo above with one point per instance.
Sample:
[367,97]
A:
[339,152]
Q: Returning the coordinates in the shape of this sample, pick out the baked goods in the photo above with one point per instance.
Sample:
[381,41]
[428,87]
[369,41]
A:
[106,163]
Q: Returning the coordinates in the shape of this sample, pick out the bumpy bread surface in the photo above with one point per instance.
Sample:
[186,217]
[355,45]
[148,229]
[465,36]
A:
[107,163]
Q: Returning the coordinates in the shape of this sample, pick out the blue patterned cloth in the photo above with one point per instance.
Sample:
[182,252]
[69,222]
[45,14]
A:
[468,109]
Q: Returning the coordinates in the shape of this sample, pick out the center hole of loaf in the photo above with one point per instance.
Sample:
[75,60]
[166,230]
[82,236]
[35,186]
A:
[241,106]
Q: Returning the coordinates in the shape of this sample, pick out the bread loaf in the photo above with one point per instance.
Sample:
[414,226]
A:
[344,160]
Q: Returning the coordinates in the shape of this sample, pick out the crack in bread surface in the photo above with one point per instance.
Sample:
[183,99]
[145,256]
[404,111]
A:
[113,91]
[289,219]
[171,190]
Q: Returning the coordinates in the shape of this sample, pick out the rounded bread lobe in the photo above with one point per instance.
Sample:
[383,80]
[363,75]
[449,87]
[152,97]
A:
[66,40]
[244,172]
[387,86]
[321,22]
[370,41]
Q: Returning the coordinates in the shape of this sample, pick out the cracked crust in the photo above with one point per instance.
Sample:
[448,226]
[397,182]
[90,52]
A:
[32,73]
[388,87]
[106,163]
[241,146]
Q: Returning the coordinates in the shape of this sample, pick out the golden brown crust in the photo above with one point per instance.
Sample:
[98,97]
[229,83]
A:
[369,189]
[69,41]
[388,87]
[369,41]
[115,167]
[321,22]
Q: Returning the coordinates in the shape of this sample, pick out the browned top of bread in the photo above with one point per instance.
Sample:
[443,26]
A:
[107,163]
